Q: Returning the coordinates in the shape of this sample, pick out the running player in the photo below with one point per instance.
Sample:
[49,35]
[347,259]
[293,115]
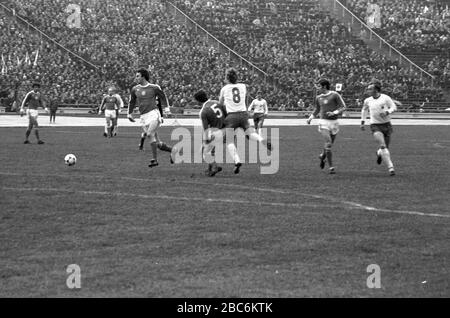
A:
[260,113]
[328,105]
[33,100]
[212,116]
[144,96]
[111,104]
[233,95]
[380,106]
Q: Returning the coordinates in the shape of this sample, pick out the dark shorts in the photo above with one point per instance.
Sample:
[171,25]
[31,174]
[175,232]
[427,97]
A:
[385,129]
[237,120]
[257,118]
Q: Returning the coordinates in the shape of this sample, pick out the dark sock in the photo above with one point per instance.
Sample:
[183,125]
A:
[324,154]
[36,132]
[329,157]
[163,147]
[141,144]
[27,134]
[333,138]
[154,150]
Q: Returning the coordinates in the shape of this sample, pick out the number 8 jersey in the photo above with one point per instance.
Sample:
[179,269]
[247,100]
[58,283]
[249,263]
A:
[234,96]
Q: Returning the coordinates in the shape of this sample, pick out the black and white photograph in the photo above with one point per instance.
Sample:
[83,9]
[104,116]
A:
[224,154]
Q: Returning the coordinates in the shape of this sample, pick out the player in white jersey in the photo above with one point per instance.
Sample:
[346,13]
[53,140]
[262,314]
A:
[233,95]
[380,106]
[260,111]
[111,105]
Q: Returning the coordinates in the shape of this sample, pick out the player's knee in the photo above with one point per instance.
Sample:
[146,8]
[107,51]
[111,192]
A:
[328,145]
[152,138]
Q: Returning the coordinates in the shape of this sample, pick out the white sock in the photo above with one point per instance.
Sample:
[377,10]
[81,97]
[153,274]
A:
[255,136]
[232,150]
[379,152]
[385,154]
[106,129]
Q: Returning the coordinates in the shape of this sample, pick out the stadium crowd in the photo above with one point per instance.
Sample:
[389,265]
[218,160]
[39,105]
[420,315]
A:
[293,41]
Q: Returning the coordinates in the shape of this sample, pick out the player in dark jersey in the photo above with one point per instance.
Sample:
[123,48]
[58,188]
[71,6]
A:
[329,105]
[212,116]
[144,96]
[33,100]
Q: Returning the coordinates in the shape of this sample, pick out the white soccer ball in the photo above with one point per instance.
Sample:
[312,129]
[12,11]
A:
[70,160]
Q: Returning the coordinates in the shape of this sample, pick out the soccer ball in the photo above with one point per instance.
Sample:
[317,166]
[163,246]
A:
[70,160]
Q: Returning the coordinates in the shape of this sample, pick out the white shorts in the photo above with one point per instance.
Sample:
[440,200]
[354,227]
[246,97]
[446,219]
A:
[111,113]
[331,125]
[150,121]
[32,113]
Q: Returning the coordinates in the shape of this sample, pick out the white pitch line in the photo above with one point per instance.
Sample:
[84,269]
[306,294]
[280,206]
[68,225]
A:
[349,204]
[158,196]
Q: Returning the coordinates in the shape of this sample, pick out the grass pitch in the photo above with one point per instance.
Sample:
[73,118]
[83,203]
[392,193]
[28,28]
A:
[173,232]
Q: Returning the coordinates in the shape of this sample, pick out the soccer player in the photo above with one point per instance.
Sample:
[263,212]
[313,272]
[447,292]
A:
[33,100]
[233,95]
[53,109]
[260,112]
[144,96]
[212,116]
[111,104]
[380,106]
[328,105]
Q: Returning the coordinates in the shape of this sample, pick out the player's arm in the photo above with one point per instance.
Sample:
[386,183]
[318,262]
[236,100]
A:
[364,113]
[102,105]
[163,102]
[391,106]
[252,105]
[205,125]
[131,105]
[315,112]
[119,102]
[222,96]
[266,108]
[24,103]
[341,106]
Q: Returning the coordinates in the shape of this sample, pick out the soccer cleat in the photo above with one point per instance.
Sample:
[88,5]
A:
[237,168]
[153,163]
[26,142]
[40,142]
[332,171]
[105,135]
[214,171]
[141,147]
[322,158]
[379,159]
[392,172]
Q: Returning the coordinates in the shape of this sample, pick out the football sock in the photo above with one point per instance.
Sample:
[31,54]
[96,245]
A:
[143,136]
[154,150]
[329,157]
[163,147]
[27,134]
[255,136]
[36,132]
[106,129]
[232,150]
[385,154]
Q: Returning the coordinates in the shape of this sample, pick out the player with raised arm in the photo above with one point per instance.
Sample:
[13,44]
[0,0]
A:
[233,95]
[328,106]
[260,111]
[32,101]
[212,116]
[144,96]
[380,107]
[111,105]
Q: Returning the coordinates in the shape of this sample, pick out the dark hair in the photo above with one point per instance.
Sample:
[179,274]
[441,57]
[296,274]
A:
[36,85]
[232,76]
[377,85]
[324,82]
[144,73]
[201,96]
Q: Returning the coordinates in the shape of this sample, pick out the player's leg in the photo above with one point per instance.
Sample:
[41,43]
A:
[252,134]
[28,132]
[260,124]
[116,124]
[154,122]
[209,152]
[108,126]
[232,122]
[143,136]
[36,130]
[327,154]
[383,151]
